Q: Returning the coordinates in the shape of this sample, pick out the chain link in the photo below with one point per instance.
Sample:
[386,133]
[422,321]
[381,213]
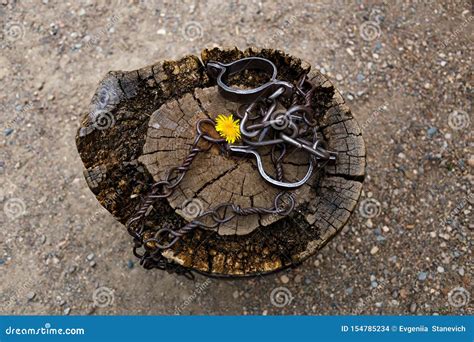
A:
[149,244]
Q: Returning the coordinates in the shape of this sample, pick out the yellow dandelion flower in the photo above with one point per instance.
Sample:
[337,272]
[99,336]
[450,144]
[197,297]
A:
[228,128]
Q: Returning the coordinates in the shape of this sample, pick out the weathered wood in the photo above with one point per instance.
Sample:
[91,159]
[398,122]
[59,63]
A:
[154,110]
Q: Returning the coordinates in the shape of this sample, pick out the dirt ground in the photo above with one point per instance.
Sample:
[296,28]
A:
[404,68]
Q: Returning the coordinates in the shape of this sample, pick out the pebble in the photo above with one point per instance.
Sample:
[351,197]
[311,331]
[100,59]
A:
[374,250]
[235,294]
[2,261]
[385,229]
[374,284]
[461,271]
[7,131]
[413,307]
[431,132]
[30,295]
[92,263]
[67,311]
[339,77]
[440,269]
[369,223]
[422,276]
[298,278]
[90,256]
[470,162]
[340,248]
[284,279]
[395,294]
[349,290]
[130,264]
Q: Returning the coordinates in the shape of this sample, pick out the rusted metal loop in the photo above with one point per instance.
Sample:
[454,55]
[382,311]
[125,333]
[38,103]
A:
[269,179]
[221,71]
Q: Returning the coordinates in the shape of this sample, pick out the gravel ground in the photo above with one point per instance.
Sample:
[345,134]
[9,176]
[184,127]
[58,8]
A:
[404,67]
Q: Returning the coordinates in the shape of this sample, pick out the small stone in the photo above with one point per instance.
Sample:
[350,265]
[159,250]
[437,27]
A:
[50,97]
[161,32]
[7,131]
[440,269]
[90,256]
[30,295]
[422,276]
[461,271]
[403,293]
[339,77]
[235,294]
[385,229]
[67,311]
[369,223]
[316,263]
[340,248]
[2,261]
[443,63]
[298,278]
[374,250]
[413,307]
[349,290]
[360,77]
[395,294]
[431,132]
[470,162]
[81,12]
[374,284]
[130,264]
[92,263]
[284,279]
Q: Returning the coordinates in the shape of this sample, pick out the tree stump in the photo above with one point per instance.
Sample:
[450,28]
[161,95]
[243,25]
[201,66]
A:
[142,122]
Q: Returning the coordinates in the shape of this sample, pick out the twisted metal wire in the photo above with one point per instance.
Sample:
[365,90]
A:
[149,245]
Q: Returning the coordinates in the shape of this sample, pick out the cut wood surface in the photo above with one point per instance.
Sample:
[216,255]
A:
[142,122]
